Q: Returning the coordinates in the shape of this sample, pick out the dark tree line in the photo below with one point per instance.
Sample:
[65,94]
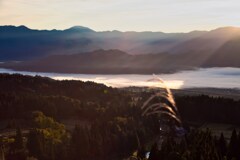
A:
[49,140]
[208,109]
[198,145]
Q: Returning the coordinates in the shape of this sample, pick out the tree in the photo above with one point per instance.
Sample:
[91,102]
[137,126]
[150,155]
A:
[17,150]
[2,153]
[45,139]
[18,143]
[222,146]
[35,144]
[233,146]
[80,143]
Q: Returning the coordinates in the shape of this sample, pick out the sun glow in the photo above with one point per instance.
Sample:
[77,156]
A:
[125,15]
[124,82]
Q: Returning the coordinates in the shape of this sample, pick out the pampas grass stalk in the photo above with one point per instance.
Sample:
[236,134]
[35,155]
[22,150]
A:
[165,107]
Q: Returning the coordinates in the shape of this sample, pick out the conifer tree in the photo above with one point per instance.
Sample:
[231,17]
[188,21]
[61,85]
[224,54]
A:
[233,146]
[222,146]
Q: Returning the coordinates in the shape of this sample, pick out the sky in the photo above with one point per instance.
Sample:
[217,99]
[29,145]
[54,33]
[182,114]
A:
[122,15]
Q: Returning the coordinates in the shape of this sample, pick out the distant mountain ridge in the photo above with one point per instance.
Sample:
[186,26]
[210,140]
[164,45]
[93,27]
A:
[21,43]
[83,50]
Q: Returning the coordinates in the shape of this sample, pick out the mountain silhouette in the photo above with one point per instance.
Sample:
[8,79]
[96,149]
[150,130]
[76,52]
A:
[83,50]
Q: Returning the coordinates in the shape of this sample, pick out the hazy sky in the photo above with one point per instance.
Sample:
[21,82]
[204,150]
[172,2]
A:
[123,15]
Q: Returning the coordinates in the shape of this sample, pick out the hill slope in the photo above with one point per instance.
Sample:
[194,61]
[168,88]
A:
[118,62]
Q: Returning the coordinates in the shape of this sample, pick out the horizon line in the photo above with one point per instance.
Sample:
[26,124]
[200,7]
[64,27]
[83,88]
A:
[114,30]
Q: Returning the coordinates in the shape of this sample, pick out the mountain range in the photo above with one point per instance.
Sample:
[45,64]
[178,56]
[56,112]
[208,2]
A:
[83,50]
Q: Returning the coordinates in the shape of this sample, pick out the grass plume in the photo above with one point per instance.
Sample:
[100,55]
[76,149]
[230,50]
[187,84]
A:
[165,106]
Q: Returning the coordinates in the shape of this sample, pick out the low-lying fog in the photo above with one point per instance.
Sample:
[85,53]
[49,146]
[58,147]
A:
[205,77]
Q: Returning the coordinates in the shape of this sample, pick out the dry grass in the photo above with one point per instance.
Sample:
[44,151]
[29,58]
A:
[165,106]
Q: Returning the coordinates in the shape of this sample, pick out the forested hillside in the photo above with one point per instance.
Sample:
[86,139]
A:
[113,127]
